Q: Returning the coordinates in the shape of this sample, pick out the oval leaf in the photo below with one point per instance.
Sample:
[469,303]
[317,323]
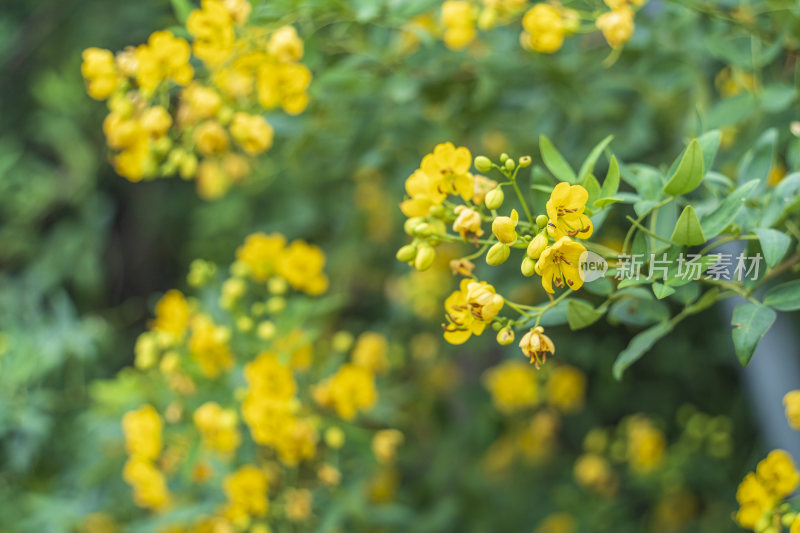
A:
[554,161]
[638,346]
[689,173]
[784,297]
[688,230]
[750,323]
[774,244]
[716,221]
[581,314]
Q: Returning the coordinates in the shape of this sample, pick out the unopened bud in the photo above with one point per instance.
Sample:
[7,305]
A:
[541,221]
[525,161]
[528,267]
[482,163]
[494,198]
[505,336]
[497,254]
[503,158]
[406,253]
[537,246]
[425,257]
[510,165]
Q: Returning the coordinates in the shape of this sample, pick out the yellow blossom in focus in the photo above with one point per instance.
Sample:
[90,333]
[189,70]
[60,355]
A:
[350,390]
[512,386]
[212,29]
[566,388]
[371,351]
[260,253]
[246,490]
[142,430]
[100,73]
[504,228]
[559,264]
[252,132]
[470,309]
[164,57]
[424,193]
[617,26]
[468,222]
[535,345]
[448,168]
[565,212]
[302,264]
[385,444]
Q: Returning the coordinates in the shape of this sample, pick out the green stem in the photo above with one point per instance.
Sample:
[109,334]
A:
[629,235]
[522,201]
[710,246]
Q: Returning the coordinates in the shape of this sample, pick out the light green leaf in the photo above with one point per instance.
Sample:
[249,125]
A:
[581,314]
[716,221]
[784,297]
[638,346]
[688,230]
[662,291]
[731,110]
[708,299]
[774,244]
[554,161]
[776,98]
[689,173]
[611,183]
[602,202]
[709,143]
[750,323]
[182,8]
[588,165]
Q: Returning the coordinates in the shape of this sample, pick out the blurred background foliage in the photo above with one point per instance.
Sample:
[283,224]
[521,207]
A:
[84,253]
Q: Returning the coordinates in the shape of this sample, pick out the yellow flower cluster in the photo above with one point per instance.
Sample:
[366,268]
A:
[761,491]
[646,445]
[515,387]
[546,25]
[165,118]
[142,430]
[250,437]
[458,19]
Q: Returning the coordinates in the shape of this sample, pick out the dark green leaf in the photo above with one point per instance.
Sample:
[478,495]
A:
[716,221]
[689,173]
[588,165]
[688,230]
[750,323]
[638,346]
[662,291]
[784,297]
[774,244]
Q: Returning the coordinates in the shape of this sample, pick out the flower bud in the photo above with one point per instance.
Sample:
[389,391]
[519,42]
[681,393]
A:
[504,228]
[510,165]
[483,163]
[503,157]
[541,221]
[505,336]
[497,254]
[423,230]
[411,225]
[425,257]
[537,246]
[406,253]
[437,211]
[494,198]
[528,267]
[525,161]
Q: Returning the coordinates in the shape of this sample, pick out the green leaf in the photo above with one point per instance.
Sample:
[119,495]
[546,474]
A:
[731,110]
[708,299]
[602,202]
[611,183]
[774,244]
[688,230]
[757,162]
[554,161]
[581,314]
[778,97]
[588,165]
[689,173]
[638,312]
[638,346]
[750,323]
[662,291]
[716,221]
[709,143]
[182,9]
[784,297]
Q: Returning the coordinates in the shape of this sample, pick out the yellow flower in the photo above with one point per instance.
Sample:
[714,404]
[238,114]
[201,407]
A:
[371,351]
[285,45]
[544,28]
[252,132]
[424,193]
[283,84]
[560,262]
[557,523]
[754,500]
[298,504]
[468,221]
[302,264]
[537,246]
[617,26]
[212,29]
[469,309]
[212,180]
[512,385]
[164,57]
[778,473]
[239,10]
[792,403]
[211,138]
[565,211]
[172,315]
[646,445]
[448,167]
[270,378]
[246,490]
[100,72]
[149,485]
[156,120]
[566,388]
[482,185]
[198,103]
[329,475]
[504,228]
[458,19]
[142,430]
[260,252]
[218,427]
[208,346]
[594,472]
[536,345]
[350,390]
[385,444]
